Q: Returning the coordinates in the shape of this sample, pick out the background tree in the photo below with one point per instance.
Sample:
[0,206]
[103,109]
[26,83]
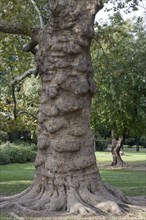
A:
[19,103]
[119,64]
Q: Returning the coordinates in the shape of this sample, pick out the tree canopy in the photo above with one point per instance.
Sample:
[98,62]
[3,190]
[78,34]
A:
[119,63]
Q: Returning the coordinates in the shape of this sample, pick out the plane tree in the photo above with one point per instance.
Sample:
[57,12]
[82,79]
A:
[119,64]
[66,178]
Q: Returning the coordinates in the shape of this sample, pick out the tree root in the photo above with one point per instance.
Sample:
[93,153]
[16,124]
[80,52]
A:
[76,205]
[82,200]
[138,201]
[100,202]
[15,196]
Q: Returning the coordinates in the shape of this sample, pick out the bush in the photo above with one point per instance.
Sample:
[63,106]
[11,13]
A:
[136,141]
[101,145]
[143,142]
[3,137]
[130,142]
[4,157]
[16,153]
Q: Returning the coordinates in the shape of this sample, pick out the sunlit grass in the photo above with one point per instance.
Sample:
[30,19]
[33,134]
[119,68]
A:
[132,183]
[129,157]
[14,178]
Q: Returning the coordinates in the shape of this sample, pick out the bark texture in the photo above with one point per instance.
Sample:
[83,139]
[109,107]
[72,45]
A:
[66,179]
[117,145]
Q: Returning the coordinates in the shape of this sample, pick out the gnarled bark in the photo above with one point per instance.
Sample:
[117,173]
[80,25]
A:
[116,150]
[66,179]
[117,145]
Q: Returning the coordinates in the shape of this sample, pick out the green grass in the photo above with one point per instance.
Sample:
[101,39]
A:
[4,216]
[14,178]
[130,180]
[132,183]
[129,157]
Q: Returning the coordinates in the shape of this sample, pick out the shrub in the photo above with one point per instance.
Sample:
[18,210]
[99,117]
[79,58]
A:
[21,155]
[101,145]
[3,137]
[16,153]
[143,142]
[130,142]
[136,141]
[4,157]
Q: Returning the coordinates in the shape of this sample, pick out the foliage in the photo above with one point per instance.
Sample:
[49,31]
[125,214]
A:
[126,5]
[15,62]
[101,144]
[13,11]
[119,63]
[133,141]
[130,142]
[3,137]
[16,153]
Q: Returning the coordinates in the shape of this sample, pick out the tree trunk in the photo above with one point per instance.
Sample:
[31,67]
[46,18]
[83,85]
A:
[67,179]
[137,140]
[117,145]
[116,149]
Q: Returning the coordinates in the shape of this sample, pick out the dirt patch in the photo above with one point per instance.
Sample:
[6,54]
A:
[126,166]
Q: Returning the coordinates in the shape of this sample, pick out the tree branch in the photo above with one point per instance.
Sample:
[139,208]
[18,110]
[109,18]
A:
[26,113]
[142,7]
[7,81]
[17,28]
[14,102]
[38,11]
[23,76]
[96,38]
[30,47]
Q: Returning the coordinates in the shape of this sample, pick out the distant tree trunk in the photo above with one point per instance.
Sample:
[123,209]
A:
[117,145]
[137,141]
[67,178]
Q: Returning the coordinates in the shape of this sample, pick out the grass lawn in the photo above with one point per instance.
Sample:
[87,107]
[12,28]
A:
[132,183]
[130,179]
[129,157]
[16,177]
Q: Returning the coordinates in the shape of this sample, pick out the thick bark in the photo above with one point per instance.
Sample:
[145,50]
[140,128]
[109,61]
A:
[117,145]
[67,179]
[18,28]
